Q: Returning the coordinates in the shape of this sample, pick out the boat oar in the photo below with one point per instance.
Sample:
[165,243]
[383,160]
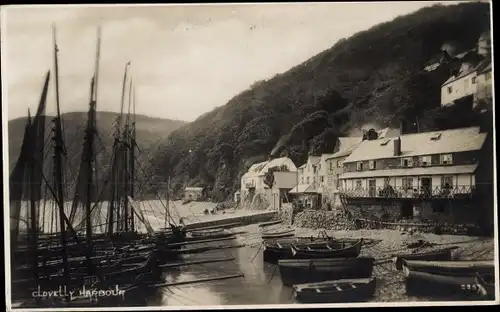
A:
[260,247]
[274,272]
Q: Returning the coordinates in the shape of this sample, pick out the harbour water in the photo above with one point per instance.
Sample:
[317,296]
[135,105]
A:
[259,285]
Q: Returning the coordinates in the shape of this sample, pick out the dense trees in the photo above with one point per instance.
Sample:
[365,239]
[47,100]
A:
[374,76]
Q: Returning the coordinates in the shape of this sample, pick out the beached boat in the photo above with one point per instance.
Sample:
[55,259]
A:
[275,249]
[345,290]
[335,250]
[486,284]
[269,223]
[444,254]
[458,267]
[299,271]
[450,286]
[271,235]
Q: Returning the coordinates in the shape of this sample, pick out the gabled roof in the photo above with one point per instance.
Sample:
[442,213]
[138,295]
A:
[345,145]
[478,67]
[262,167]
[314,160]
[418,144]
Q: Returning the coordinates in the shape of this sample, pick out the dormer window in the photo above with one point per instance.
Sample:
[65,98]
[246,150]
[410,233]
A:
[359,166]
[436,137]
[425,160]
[446,159]
[372,164]
[407,162]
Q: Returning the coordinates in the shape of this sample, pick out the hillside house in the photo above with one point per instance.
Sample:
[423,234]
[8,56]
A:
[464,86]
[306,191]
[426,175]
[283,182]
[252,182]
[194,193]
[334,167]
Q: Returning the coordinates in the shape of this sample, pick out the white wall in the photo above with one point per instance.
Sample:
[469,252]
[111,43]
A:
[484,86]
[460,88]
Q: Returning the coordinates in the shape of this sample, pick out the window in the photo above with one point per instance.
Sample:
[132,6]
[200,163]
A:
[314,179]
[407,183]
[359,166]
[447,182]
[373,165]
[425,160]
[339,163]
[446,159]
[302,180]
[308,180]
[322,179]
[314,169]
[338,181]
[331,165]
[407,162]
[450,89]
[359,184]
[473,80]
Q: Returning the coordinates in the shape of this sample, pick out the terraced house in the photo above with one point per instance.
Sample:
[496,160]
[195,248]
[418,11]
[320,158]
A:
[423,175]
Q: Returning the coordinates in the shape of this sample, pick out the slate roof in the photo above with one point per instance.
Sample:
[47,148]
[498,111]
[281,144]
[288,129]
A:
[419,144]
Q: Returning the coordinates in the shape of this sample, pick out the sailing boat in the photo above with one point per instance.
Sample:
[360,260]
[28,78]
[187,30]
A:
[44,268]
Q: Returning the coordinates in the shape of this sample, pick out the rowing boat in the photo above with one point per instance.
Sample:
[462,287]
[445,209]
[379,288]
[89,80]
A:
[271,235]
[299,271]
[434,255]
[276,249]
[345,290]
[458,267]
[449,286]
[486,284]
[342,250]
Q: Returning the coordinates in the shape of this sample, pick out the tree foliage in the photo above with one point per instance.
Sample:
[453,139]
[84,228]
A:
[374,76]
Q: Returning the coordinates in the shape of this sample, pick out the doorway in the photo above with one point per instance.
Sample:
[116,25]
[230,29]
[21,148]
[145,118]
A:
[426,186]
[407,210]
[372,188]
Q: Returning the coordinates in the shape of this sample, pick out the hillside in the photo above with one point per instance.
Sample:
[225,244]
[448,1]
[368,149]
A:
[374,76]
[149,132]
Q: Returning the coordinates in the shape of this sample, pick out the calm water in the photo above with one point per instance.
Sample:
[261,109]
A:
[258,286]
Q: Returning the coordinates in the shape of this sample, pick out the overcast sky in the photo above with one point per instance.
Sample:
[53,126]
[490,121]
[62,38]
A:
[186,60]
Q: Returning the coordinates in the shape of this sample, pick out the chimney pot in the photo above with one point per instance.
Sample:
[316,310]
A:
[397,146]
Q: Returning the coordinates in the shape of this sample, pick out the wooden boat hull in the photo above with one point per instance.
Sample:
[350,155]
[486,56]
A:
[278,235]
[486,284]
[451,287]
[435,255]
[453,268]
[277,249]
[347,252]
[318,270]
[336,291]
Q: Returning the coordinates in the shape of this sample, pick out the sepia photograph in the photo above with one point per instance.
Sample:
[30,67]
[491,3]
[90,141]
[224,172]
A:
[291,155]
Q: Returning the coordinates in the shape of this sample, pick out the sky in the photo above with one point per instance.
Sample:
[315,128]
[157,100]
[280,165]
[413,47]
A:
[185,59]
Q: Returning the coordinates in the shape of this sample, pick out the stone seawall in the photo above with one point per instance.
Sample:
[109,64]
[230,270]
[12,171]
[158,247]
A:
[242,219]
[325,220]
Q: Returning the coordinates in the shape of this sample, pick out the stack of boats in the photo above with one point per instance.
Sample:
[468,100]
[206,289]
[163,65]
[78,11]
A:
[435,275]
[322,270]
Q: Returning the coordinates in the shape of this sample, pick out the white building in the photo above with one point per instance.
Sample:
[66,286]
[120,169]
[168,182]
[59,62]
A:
[252,182]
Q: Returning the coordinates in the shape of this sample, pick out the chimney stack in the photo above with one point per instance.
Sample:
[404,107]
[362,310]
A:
[397,146]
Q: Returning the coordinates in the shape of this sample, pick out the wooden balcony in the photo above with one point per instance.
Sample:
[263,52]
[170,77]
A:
[401,193]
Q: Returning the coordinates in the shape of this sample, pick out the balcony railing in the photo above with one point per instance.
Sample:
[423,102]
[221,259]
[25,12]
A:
[439,192]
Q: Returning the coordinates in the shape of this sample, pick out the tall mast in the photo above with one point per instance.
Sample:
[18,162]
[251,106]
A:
[90,141]
[126,160]
[132,159]
[58,151]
